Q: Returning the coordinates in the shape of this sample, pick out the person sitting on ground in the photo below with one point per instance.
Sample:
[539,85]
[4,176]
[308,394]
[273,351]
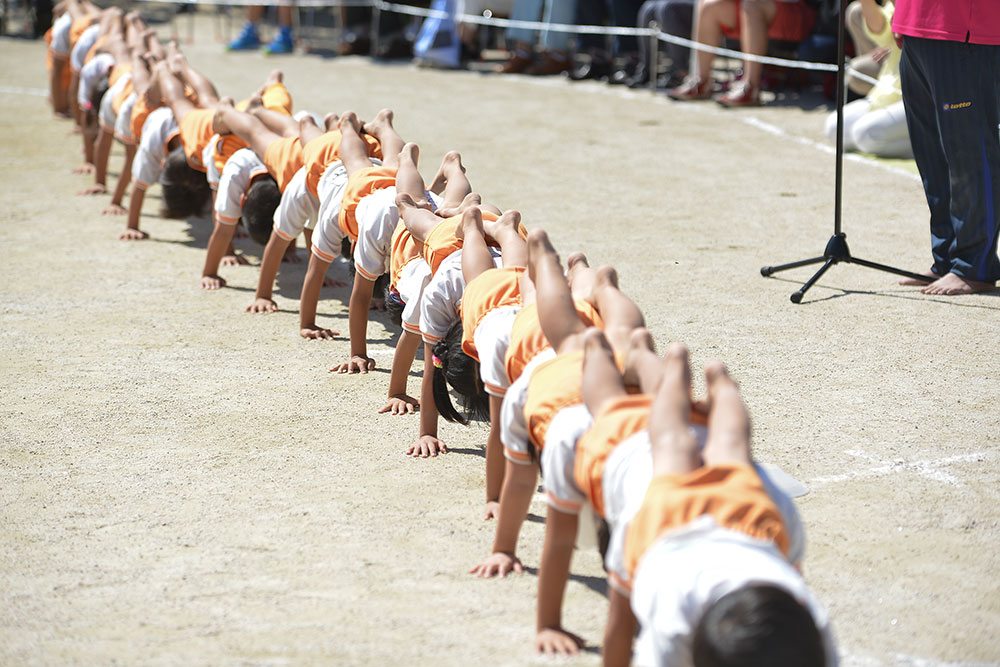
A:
[876,123]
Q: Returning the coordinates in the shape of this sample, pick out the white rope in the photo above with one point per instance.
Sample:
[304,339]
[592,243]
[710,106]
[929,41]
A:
[477,19]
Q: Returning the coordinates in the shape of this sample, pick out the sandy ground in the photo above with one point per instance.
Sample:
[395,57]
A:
[181,482]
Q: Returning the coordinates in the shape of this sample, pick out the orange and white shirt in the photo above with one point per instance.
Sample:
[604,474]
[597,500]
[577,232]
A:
[90,76]
[283,158]
[685,572]
[489,306]
[196,135]
[108,114]
[237,175]
[513,426]
[441,297]
[527,338]
[360,184]
[77,57]
[59,45]
[159,128]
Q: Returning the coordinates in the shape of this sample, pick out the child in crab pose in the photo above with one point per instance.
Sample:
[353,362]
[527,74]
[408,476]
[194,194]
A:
[554,407]
[274,136]
[609,469]
[470,358]
[708,553]
[439,302]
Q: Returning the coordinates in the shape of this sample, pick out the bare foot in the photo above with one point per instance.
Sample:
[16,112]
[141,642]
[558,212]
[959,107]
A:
[540,249]
[451,162]
[410,152]
[405,203]
[675,449]
[931,277]
[472,223]
[276,76]
[331,121]
[601,379]
[604,277]
[504,226]
[255,102]
[349,119]
[953,284]
[382,120]
[728,419]
[219,125]
[640,354]
[471,200]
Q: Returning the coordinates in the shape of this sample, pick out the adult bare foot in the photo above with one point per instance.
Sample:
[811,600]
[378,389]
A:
[931,277]
[954,284]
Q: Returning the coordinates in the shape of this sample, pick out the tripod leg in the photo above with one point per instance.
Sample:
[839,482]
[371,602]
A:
[768,270]
[797,297]
[890,269]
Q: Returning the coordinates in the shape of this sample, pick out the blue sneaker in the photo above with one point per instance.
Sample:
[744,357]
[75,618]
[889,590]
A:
[282,42]
[247,41]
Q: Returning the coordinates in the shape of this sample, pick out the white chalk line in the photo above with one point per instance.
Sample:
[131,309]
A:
[18,90]
[930,468]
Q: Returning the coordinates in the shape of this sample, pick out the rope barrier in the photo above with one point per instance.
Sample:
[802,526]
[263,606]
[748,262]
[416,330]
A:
[492,21]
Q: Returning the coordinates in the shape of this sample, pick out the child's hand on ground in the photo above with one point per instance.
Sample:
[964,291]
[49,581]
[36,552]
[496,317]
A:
[499,564]
[492,510]
[212,282]
[358,363]
[556,641]
[401,404]
[333,282]
[115,209]
[85,168]
[262,306]
[133,235]
[234,260]
[96,189]
[313,332]
[426,445]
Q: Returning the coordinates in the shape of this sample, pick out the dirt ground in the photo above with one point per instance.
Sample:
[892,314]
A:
[181,482]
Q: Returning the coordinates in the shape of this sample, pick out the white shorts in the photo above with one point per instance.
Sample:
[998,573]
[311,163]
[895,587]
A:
[106,114]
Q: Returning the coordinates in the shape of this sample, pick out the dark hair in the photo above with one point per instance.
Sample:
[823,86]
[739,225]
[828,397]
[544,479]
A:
[461,372]
[345,250]
[185,190]
[263,197]
[759,624]
[394,305]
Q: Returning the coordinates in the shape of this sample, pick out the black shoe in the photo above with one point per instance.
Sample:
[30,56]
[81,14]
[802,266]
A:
[639,78]
[594,69]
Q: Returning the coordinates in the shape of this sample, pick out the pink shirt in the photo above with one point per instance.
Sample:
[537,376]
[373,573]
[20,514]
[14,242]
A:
[974,21]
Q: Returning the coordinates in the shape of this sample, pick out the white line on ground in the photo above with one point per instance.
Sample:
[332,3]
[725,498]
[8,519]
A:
[18,90]
[929,468]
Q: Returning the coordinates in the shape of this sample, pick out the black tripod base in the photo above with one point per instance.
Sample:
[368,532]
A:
[836,251]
